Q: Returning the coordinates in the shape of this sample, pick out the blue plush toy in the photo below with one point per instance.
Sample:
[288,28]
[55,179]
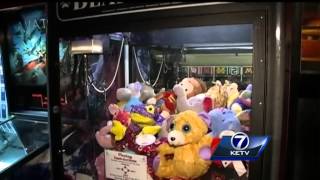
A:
[223,119]
[135,89]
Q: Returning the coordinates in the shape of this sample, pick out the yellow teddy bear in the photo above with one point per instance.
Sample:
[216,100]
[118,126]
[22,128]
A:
[188,153]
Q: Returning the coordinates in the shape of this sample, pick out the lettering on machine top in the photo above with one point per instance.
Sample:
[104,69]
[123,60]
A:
[69,11]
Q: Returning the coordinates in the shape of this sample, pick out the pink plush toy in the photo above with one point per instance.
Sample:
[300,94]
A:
[103,137]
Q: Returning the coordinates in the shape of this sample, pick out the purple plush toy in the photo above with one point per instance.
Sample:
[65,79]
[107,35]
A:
[243,102]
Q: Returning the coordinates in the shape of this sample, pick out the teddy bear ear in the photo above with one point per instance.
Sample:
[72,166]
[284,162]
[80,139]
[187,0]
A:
[205,117]
[168,122]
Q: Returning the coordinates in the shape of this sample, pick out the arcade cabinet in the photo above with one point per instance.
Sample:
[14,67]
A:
[24,117]
[157,45]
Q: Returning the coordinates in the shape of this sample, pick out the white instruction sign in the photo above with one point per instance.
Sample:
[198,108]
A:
[124,166]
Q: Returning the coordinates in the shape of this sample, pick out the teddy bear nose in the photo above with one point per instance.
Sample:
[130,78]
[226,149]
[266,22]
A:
[172,138]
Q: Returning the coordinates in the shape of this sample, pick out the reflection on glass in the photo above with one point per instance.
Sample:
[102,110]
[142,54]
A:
[27,76]
[204,69]
[85,72]
[310,38]
[11,148]
[28,48]
[18,138]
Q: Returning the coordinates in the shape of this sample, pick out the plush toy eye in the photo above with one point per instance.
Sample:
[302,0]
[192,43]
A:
[186,90]
[150,109]
[171,126]
[186,128]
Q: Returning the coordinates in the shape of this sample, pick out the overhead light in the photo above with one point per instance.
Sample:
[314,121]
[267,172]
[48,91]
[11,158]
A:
[92,46]
[221,48]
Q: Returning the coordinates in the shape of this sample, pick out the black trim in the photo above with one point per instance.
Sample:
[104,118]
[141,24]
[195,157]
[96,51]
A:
[295,17]
[53,87]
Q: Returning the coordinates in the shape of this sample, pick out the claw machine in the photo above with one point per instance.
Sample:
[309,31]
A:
[24,120]
[146,86]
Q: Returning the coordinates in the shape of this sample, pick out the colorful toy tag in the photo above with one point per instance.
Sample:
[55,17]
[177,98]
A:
[125,166]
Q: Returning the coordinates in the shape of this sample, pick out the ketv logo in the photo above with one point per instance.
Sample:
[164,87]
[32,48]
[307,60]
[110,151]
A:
[240,147]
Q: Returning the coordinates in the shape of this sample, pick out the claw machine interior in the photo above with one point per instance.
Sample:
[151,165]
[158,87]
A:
[175,74]
[24,121]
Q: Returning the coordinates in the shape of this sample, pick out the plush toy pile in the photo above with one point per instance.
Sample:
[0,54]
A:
[175,128]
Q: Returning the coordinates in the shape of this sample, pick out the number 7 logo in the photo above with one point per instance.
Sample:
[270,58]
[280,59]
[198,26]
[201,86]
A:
[240,141]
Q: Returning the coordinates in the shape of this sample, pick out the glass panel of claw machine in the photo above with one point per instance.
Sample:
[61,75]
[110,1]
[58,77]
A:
[188,86]
[207,70]
[90,72]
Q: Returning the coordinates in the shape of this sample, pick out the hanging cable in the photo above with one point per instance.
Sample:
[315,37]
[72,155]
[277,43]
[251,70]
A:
[114,77]
[138,67]
[139,70]
[158,76]
[165,64]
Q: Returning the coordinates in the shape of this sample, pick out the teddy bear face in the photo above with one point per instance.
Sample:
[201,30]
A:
[191,87]
[186,128]
[187,86]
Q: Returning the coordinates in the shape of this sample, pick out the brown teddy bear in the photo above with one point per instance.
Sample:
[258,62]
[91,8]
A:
[190,94]
[193,86]
[188,153]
